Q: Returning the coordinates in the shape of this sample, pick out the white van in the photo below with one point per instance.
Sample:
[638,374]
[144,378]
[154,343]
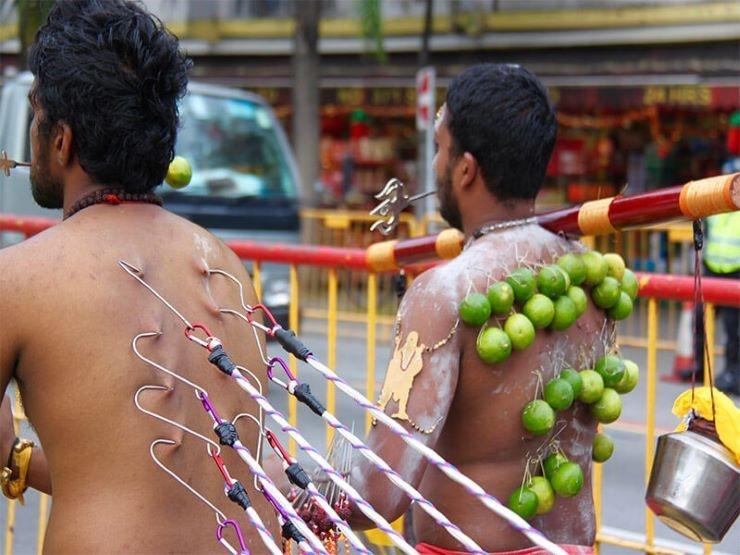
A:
[244,185]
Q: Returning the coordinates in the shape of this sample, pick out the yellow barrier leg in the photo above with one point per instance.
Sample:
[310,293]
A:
[652,351]
[10,526]
[331,348]
[293,323]
[43,518]
[257,279]
[372,296]
[597,485]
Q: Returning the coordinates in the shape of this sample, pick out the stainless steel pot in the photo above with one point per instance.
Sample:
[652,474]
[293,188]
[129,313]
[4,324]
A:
[694,486]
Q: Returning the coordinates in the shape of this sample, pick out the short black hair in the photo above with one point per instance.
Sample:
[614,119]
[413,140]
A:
[501,114]
[114,74]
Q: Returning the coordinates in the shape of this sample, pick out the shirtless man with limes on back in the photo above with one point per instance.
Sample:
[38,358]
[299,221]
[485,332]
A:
[494,137]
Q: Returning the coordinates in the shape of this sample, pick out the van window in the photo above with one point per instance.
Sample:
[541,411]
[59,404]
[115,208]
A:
[233,148]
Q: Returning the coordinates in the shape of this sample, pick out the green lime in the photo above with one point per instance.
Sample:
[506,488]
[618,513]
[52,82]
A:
[622,309]
[629,379]
[602,449]
[607,409]
[558,394]
[552,462]
[520,330]
[606,293]
[523,283]
[567,480]
[550,281]
[493,345]
[566,277]
[538,417]
[540,310]
[611,369]
[596,267]
[544,492]
[629,283]
[615,265]
[574,379]
[575,267]
[179,173]
[475,310]
[565,313]
[501,297]
[523,501]
[592,386]
[578,296]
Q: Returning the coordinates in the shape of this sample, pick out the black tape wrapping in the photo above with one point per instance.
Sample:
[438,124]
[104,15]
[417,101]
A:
[292,344]
[221,360]
[227,434]
[238,494]
[290,532]
[297,475]
[304,395]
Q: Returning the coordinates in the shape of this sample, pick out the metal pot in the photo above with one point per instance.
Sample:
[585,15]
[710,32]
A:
[694,486]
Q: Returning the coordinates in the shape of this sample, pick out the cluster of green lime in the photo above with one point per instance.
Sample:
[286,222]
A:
[552,298]
[537,495]
[600,388]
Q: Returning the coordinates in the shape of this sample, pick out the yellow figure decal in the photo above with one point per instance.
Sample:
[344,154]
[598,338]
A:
[404,366]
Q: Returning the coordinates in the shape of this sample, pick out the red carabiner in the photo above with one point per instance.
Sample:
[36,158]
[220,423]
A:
[278,447]
[221,466]
[269,315]
[209,343]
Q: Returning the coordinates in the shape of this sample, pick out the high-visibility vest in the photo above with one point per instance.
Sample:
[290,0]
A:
[722,245]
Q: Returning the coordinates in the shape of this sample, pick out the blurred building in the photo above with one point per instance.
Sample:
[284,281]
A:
[645,89]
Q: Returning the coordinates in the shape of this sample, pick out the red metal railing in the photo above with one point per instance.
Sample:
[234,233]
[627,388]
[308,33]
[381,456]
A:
[718,291]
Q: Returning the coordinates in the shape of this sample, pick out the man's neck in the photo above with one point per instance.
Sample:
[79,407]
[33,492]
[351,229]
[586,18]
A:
[497,213]
[78,188]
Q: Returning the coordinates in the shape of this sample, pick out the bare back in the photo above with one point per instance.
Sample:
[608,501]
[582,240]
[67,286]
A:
[73,315]
[477,406]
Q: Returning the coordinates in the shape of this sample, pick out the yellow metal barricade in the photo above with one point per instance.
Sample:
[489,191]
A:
[336,282]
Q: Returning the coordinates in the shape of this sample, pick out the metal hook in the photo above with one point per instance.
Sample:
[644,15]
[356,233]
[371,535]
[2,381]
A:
[254,326]
[159,366]
[220,517]
[261,428]
[135,272]
[245,306]
[158,416]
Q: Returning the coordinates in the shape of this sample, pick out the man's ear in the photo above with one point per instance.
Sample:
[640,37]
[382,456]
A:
[62,144]
[468,167]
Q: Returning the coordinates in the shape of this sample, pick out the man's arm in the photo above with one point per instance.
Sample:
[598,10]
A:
[432,314]
[11,304]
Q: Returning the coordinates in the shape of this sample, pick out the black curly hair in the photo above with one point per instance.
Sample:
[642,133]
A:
[114,74]
[501,114]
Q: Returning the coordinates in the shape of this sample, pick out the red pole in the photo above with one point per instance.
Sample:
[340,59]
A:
[694,200]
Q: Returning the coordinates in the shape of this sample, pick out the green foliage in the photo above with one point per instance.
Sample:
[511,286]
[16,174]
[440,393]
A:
[371,19]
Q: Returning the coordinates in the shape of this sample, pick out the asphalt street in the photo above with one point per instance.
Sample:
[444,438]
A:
[624,483]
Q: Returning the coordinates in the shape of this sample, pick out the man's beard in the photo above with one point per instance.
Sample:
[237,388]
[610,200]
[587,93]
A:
[47,191]
[448,206]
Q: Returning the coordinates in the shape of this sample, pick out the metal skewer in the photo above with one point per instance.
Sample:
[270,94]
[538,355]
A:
[393,200]
[6,164]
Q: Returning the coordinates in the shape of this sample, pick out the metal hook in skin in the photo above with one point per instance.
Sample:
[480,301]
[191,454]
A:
[135,272]
[220,517]
[178,425]
[159,366]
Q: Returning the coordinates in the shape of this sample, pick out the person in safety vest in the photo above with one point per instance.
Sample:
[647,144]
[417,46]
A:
[722,259]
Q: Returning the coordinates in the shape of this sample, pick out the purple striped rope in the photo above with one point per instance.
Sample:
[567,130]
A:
[281,503]
[517,522]
[393,476]
[305,446]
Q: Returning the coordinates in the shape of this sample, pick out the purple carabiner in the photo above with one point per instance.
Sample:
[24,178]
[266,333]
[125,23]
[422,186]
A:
[208,406]
[243,549]
[292,381]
